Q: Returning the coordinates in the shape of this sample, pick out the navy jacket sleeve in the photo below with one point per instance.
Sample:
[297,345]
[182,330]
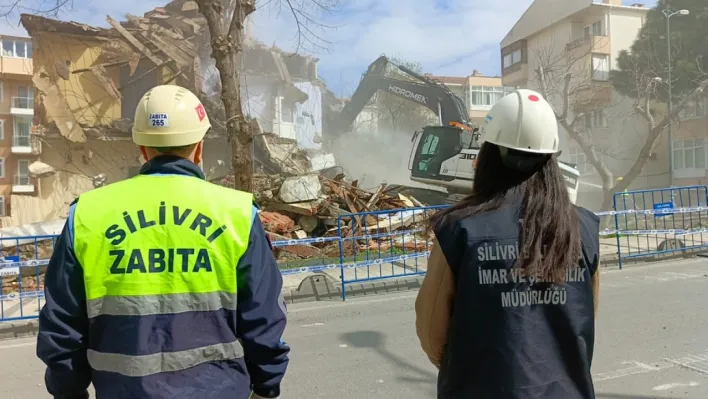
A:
[63,322]
[261,314]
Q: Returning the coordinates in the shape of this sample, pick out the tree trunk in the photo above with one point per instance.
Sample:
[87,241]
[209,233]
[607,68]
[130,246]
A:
[226,47]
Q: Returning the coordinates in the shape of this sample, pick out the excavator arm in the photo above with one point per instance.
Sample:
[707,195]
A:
[421,90]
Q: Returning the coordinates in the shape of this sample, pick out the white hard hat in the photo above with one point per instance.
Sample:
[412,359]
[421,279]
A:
[169,116]
[523,121]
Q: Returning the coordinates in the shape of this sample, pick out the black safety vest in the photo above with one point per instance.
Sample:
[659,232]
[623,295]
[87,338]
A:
[510,338]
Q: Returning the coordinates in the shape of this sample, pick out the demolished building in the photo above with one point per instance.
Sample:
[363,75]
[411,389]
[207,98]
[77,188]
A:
[88,82]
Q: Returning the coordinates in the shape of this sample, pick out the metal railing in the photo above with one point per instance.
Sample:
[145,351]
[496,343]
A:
[21,140]
[661,222]
[391,244]
[23,262]
[23,102]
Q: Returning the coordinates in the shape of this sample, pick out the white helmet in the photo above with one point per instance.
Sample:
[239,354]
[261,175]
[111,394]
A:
[523,121]
[169,116]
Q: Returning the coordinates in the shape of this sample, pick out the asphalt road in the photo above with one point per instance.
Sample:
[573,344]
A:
[652,343]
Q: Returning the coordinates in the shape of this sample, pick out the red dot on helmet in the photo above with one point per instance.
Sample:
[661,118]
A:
[533,97]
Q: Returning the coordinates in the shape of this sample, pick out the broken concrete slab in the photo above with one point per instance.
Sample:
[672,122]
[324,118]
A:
[300,189]
[56,108]
[41,169]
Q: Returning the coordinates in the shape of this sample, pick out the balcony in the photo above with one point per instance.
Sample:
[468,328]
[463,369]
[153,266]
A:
[516,75]
[592,44]
[16,66]
[22,184]
[22,106]
[592,96]
[25,144]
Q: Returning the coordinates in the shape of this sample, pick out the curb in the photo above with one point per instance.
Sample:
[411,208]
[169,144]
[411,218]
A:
[321,287]
[18,329]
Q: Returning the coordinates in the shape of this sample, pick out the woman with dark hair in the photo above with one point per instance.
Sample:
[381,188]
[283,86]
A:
[507,308]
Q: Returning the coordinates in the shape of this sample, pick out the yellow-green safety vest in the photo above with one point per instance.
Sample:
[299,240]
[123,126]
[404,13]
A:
[161,244]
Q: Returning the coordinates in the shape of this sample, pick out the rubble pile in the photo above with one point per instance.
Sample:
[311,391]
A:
[297,202]
[301,191]
[30,280]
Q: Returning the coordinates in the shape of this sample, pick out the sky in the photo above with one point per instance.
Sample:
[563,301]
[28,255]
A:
[448,37]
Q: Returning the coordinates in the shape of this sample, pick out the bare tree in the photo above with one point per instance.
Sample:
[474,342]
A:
[226,21]
[567,78]
[49,8]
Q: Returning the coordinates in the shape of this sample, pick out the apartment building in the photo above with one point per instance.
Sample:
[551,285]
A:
[17,149]
[583,38]
[479,92]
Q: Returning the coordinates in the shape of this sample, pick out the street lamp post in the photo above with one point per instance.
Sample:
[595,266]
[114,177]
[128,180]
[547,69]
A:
[668,13]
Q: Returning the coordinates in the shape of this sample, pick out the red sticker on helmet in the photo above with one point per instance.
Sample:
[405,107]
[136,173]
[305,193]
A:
[201,113]
[533,98]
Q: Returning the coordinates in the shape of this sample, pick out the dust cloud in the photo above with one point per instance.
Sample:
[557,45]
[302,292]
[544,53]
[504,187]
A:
[375,158]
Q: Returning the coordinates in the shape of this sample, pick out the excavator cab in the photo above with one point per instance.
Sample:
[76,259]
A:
[438,150]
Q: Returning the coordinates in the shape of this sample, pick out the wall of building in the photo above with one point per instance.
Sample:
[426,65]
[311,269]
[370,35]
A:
[86,97]
[116,159]
[623,29]
[541,14]
[307,128]
[11,80]
[257,100]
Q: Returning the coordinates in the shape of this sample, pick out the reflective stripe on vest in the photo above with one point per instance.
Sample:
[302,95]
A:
[154,245]
[141,366]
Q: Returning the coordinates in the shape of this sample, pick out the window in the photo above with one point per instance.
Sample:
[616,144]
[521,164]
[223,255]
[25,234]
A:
[512,58]
[595,119]
[690,154]
[286,109]
[2,206]
[486,96]
[2,91]
[23,178]
[469,140]
[2,129]
[594,30]
[16,48]
[430,145]
[2,167]
[600,67]
[579,159]
[21,132]
[697,108]
[25,98]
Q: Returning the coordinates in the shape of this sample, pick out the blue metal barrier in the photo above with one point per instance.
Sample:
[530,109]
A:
[21,275]
[390,244]
[383,244]
[660,221]
[325,260]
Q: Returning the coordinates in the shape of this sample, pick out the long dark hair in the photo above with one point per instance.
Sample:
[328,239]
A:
[550,236]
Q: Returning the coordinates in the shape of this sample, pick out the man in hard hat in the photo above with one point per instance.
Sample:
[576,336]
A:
[164,285]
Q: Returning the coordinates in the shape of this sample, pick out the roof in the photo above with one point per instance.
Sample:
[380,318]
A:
[15,37]
[35,24]
[542,14]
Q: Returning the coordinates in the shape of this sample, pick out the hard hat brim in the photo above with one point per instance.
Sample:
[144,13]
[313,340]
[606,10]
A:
[148,139]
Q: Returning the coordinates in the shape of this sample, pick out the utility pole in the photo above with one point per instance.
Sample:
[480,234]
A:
[668,13]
